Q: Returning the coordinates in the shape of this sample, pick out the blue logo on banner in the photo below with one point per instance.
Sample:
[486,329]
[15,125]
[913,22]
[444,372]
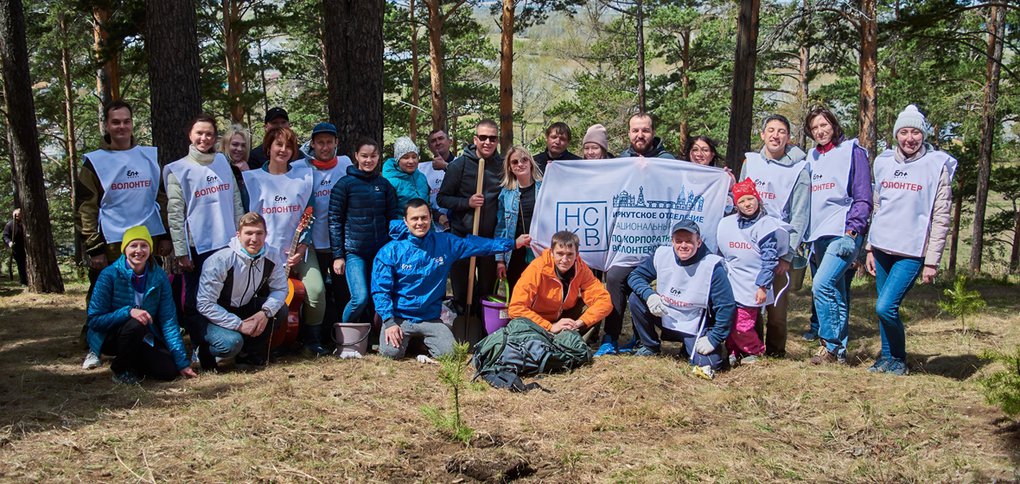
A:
[589,220]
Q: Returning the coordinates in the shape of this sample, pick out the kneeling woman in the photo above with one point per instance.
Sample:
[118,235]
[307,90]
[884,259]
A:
[913,196]
[131,316]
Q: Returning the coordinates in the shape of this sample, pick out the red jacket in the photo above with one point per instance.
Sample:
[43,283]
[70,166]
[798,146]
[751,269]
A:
[538,295]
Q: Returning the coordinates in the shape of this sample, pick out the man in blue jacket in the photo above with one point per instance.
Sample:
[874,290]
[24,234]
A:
[692,301]
[409,279]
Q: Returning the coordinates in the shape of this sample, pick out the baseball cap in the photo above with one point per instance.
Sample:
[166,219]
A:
[687,225]
[324,128]
[276,112]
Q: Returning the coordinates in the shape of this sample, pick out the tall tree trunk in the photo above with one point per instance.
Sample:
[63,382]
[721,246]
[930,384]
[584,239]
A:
[506,78]
[354,50]
[436,67]
[234,61]
[1014,253]
[43,272]
[70,138]
[415,87]
[868,135]
[742,98]
[685,86]
[171,43]
[108,57]
[954,241]
[803,71]
[996,31]
[640,15]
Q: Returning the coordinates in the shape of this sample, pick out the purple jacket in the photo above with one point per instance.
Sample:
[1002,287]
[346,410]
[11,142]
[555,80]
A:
[860,190]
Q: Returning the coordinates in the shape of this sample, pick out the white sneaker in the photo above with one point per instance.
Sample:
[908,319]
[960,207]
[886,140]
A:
[350,354]
[706,372]
[91,362]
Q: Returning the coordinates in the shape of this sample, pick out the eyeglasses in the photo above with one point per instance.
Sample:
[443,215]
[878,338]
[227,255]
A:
[490,139]
[519,161]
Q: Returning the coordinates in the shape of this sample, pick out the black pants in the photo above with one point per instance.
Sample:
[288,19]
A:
[335,288]
[19,260]
[127,344]
[190,318]
[518,262]
[619,290]
[485,267]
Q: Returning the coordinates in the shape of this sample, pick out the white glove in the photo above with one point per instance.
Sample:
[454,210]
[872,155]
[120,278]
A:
[655,305]
[704,346]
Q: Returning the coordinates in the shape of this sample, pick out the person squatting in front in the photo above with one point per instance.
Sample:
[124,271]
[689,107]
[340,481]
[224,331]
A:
[752,242]
[131,316]
[409,280]
[913,199]
[692,301]
[242,292]
[557,286]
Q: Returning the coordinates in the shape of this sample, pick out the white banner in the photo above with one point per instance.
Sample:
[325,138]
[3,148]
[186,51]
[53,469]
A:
[622,209]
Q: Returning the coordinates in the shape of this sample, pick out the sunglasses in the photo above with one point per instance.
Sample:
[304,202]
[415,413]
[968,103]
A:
[491,139]
[520,161]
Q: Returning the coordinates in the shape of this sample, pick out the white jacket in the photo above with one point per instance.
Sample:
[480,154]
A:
[265,274]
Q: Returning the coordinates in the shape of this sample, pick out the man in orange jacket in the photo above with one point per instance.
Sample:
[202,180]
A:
[551,286]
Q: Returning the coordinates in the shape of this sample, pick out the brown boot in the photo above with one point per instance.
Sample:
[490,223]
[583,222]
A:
[823,356]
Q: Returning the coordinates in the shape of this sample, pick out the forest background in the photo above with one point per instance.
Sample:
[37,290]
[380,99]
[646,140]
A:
[447,63]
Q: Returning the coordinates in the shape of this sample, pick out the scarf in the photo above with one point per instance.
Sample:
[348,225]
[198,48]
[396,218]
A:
[324,165]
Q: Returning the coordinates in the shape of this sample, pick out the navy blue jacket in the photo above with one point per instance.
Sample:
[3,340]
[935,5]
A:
[655,150]
[361,206]
[721,305]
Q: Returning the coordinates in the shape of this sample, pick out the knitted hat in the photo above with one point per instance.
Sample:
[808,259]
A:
[743,188]
[402,146]
[596,134]
[138,232]
[910,117]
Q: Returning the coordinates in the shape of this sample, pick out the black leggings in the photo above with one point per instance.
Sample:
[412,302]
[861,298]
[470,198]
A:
[127,344]
[619,290]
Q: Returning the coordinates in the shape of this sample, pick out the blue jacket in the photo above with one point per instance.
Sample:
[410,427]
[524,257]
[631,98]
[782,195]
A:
[360,208]
[407,185]
[114,297]
[409,274]
[509,211]
[721,305]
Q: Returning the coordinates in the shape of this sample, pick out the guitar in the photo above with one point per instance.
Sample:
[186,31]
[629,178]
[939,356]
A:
[286,334]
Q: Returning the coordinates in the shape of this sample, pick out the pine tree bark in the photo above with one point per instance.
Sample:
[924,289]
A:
[803,71]
[70,139]
[436,67]
[506,77]
[415,85]
[685,85]
[640,17]
[996,32]
[171,42]
[108,58]
[354,54]
[43,272]
[234,61]
[868,103]
[954,241]
[742,98]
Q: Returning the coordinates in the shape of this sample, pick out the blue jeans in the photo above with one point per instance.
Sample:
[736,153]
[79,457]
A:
[359,276]
[829,290]
[848,279]
[228,343]
[645,324]
[894,276]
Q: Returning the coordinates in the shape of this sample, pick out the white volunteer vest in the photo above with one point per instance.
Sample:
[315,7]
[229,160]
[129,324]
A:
[130,181]
[830,184]
[323,181]
[743,260]
[435,178]
[775,183]
[209,222]
[905,194]
[684,289]
[281,199]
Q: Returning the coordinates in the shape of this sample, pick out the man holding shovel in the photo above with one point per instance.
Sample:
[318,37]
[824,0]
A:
[470,191]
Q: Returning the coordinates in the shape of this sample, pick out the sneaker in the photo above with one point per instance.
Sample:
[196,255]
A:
[734,361]
[897,367]
[749,360]
[705,372]
[313,350]
[127,378]
[609,346]
[646,351]
[91,362]
[823,355]
[809,335]
[250,359]
[880,366]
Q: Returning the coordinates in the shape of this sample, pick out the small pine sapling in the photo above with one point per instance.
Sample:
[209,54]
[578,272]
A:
[452,368]
[961,302]
[1002,388]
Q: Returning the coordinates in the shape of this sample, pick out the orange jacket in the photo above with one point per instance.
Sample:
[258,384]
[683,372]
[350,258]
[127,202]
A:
[538,294]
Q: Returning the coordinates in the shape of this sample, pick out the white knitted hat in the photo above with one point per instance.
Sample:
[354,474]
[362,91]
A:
[402,146]
[910,117]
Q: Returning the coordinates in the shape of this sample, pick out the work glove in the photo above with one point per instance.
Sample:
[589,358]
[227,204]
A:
[704,346]
[845,246]
[655,305]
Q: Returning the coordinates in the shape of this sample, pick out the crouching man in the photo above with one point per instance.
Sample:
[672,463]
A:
[556,287]
[242,293]
[409,279]
[692,301]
